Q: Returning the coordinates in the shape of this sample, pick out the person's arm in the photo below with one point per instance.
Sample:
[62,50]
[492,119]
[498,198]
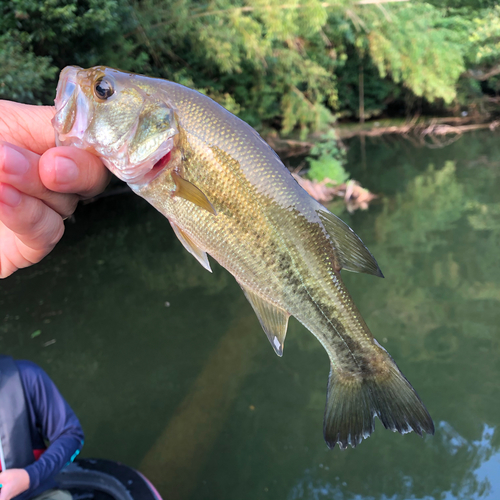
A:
[56,420]
[52,416]
[40,184]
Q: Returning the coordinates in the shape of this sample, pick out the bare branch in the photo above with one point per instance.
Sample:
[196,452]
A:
[481,75]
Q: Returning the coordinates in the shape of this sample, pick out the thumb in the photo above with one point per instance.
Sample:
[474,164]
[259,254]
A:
[68,169]
[27,126]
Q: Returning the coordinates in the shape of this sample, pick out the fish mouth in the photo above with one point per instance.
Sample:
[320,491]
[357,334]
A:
[72,111]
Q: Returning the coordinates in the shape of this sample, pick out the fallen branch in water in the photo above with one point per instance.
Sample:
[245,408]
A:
[437,126]
[288,147]
[419,132]
[355,196]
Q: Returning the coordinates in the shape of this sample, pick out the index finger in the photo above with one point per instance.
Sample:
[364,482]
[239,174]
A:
[27,126]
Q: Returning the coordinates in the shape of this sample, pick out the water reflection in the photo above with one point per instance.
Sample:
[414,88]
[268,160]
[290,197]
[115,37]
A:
[482,481]
[130,365]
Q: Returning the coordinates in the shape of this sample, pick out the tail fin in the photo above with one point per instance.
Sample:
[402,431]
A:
[353,402]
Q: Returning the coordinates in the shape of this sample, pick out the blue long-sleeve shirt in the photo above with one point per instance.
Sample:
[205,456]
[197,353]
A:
[50,419]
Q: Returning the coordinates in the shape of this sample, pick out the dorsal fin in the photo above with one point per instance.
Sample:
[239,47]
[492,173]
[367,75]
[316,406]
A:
[273,319]
[350,250]
[189,245]
[188,191]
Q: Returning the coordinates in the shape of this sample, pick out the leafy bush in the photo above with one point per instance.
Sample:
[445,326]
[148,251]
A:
[290,66]
[326,160]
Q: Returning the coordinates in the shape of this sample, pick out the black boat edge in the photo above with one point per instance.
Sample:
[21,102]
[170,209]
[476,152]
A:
[88,478]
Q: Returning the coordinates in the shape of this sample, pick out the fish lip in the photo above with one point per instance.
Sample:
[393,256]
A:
[67,87]
[67,78]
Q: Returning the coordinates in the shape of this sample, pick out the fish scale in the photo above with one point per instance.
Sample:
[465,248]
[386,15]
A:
[227,194]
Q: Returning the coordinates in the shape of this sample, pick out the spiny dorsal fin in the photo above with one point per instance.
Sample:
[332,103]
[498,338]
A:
[350,250]
[200,255]
[273,319]
[184,189]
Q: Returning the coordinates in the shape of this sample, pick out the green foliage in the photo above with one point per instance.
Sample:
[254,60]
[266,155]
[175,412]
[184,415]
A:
[272,60]
[418,48]
[22,72]
[485,38]
[326,160]
[291,66]
[37,39]
[327,167]
[377,93]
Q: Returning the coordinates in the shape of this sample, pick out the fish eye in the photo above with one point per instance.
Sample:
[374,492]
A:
[103,88]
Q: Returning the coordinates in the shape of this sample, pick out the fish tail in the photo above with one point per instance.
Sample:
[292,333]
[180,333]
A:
[353,401]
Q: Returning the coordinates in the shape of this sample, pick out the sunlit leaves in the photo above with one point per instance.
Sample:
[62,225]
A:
[418,51]
[486,35]
[279,64]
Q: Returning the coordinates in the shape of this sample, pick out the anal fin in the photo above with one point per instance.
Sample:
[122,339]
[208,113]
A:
[188,191]
[273,319]
[190,246]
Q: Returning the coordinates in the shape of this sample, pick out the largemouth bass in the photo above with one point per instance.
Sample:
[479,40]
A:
[227,194]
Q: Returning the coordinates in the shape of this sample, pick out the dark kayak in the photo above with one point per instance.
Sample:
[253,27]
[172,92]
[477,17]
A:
[96,479]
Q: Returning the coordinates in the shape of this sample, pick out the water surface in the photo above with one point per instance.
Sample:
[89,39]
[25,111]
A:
[169,371]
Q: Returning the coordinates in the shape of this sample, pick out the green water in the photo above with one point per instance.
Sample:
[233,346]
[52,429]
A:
[169,371]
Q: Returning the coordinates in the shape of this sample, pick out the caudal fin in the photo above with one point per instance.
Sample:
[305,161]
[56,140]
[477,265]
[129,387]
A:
[353,402]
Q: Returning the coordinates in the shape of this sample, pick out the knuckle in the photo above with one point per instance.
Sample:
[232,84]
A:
[57,234]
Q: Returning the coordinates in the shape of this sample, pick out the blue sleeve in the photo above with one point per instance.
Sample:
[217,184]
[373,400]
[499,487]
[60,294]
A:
[54,419]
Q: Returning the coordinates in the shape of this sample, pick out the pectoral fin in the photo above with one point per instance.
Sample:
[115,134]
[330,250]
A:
[184,189]
[200,255]
[350,250]
[273,319]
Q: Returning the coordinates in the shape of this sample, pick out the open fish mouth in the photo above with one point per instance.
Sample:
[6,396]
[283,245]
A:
[140,150]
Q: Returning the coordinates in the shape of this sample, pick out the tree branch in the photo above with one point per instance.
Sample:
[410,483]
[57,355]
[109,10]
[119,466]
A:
[481,75]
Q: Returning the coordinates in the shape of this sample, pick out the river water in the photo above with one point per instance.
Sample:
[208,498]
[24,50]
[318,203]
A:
[169,371]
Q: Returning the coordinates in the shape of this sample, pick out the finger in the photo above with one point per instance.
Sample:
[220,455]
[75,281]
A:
[19,168]
[27,126]
[71,170]
[38,228]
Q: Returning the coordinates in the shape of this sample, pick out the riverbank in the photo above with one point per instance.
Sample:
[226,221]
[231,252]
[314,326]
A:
[424,131]
[422,125]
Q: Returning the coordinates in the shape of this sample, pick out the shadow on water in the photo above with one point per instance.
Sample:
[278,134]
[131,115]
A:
[168,370]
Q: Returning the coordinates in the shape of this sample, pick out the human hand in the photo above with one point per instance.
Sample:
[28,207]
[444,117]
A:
[40,185]
[14,482]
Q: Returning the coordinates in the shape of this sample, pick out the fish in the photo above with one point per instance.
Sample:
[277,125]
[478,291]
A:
[227,194]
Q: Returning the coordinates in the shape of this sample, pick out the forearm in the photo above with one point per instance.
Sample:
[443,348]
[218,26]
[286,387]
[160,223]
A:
[58,454]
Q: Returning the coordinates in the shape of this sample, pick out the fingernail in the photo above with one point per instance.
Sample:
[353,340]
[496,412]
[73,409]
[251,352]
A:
[14,161]
[66,170]
[9,195]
